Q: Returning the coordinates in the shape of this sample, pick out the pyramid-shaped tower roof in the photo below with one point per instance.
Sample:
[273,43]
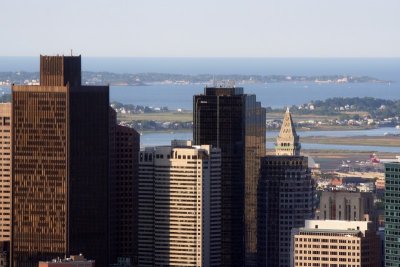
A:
[288,142]
[288,130]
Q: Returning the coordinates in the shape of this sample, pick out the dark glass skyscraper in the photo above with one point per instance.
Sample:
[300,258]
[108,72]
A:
[124,152]
[285,197]
[227,118]
[60,166]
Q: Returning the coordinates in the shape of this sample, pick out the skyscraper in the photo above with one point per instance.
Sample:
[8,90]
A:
[5,172]
[226,118]
[179,205]
[124,153]
[5,182]
[392,213]
[285,197]
[60,157]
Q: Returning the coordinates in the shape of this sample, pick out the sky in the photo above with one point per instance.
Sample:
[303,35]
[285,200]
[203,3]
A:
[201,28]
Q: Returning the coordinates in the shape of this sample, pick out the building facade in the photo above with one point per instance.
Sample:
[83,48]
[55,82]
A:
[226,118]
[5,172]
[286,197]
[60,147]
[73,261]
[179,205]
[335,243]
[347,206]
[124,167]
[392,213]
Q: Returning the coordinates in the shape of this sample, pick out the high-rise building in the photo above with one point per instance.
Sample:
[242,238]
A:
[335,243]
[286,197]
[179,205]
[392,213]
[234,122]
[124,153]
[347,206]
[60,144]
[5,172]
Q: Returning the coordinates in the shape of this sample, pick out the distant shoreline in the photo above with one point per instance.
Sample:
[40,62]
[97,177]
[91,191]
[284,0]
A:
[148,78]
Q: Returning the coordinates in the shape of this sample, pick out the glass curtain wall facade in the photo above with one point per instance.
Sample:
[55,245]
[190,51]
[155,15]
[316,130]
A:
[392,214]
[234,122]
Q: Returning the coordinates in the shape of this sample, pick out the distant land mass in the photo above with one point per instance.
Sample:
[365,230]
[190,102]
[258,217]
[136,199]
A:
[140,79]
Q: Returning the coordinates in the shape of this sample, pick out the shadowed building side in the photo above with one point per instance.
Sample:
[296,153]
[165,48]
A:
[124,152]
[89,166]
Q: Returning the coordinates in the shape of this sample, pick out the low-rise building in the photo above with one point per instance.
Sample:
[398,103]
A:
[335,243]
[73,261]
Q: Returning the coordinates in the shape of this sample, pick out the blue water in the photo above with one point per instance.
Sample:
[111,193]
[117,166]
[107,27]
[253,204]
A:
[164,138]
[383,68]
[270,95]
[274,95]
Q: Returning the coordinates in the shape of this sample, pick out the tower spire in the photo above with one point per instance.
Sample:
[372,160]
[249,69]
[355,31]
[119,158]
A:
[287,142]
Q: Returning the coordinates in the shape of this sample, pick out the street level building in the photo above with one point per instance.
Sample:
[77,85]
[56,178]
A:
[286,197]
[60,170]
[226,118]
[179,205]
[335,243]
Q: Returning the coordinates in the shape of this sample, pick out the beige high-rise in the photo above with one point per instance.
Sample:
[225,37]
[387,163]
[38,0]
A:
[5,172]
[179,205]
[334,243]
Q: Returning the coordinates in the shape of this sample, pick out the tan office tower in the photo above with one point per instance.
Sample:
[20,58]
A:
[60,166]
[5,172]
[180,205]
[335,243]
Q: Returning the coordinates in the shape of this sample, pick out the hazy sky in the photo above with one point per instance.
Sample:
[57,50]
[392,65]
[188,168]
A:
[201,28]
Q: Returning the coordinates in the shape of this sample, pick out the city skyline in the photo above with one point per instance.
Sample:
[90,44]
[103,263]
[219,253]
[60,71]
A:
[76,182]
[176,29]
